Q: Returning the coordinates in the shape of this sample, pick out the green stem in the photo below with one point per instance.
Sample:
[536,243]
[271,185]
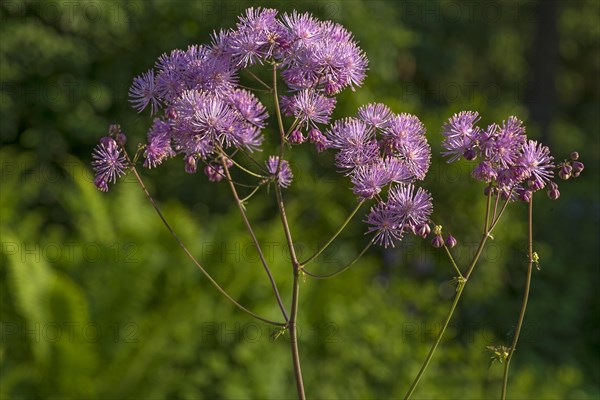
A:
[294,339]
[245,199]
[249,157]
[189,254]
[259,80]
[291,128]
[486,223]
[277,108]
[336,273]
[296,289]
[292,321]
[501,211]
[453,262]
[462,283]
[335,235]
[496,204]
[254,239]
[254,89]
[437,341]
[240,166]
[513,347]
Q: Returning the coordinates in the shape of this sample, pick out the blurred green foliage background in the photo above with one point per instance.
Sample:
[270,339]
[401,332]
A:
[97,300]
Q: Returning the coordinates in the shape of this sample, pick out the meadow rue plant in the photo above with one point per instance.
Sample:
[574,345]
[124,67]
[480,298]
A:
[203,113]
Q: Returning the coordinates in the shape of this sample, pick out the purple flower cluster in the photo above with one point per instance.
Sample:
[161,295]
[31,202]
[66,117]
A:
[205,109]
[201,110]
[509,161]
[381,150]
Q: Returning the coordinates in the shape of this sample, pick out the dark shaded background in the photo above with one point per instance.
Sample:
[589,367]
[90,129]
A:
[99,302]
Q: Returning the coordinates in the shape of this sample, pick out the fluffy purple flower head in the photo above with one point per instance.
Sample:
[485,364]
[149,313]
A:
[460,134]
[341,63]
[400,128]
[108,163]
[502,144]
[177,60]
[211,115]
[311,107]
[406,209]
[258,36]
[215,75]
[245,135]
[484,172]
[351,157]
[349,133]
[397,170]
[536,160]
[385,223]
[281,171]
[355,141]
[413,207]
[205,119]
[375,114]
[368,180]
[159,144]
[303,29]
[248,107]
[143,91]
[404,137]
[286,104]
[246,47]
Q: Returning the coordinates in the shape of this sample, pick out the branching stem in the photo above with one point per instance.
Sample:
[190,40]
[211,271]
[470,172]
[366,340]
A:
[335,235]
[461,286]
[345,268]
[189,254]
[254,239]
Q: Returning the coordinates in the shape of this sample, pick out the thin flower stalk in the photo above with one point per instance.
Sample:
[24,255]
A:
[513,346]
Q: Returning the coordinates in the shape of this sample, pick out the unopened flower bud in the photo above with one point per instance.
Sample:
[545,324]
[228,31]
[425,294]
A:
[171,113]
[487,190]
[525,196]
[565,172]
[315,135]
[423,230]
[121,139]
[101,183]
[108,142]
[437,241]
[578,166]
[553,194]
[114,129]
[214,172]
[228,162]
[451,241]
[322,145]
[190,164]
[470,155]
[535,184]
[574,155]
[296,137]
